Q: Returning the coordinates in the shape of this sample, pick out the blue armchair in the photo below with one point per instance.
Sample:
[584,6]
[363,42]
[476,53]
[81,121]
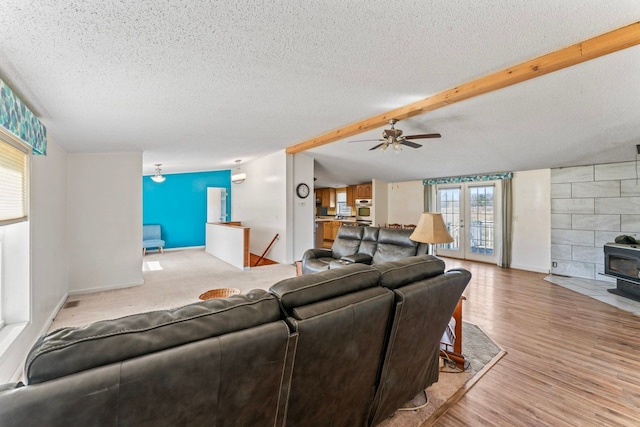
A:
[151,238]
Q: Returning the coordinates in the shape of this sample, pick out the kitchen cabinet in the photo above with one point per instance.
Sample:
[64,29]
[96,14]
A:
[335,226]
[364,191]
[327,231]
[351,195]
[327,197]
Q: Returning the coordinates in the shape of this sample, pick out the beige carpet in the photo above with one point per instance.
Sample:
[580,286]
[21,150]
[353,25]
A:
[172,279]
[176,278]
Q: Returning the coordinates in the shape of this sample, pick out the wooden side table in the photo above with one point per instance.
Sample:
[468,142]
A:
[456,355]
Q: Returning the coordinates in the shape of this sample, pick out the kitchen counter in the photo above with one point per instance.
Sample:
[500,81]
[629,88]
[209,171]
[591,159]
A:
[332,218]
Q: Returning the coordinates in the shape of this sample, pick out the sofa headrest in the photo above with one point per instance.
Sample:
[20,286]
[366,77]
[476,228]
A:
[311,288]
[347,232]
[347,241]
[396,236]
[70,350]
[370,234]
[394,274]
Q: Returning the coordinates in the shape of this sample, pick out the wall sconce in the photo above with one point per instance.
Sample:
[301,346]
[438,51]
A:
[238,177]
[158,176]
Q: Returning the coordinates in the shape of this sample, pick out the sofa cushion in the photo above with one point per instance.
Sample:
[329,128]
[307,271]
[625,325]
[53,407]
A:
[394,274]
[394,244]
[70,350]
[347,241]
[369,241]
[310,288]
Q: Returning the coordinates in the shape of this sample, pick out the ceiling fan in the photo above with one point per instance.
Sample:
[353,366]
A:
[393,138]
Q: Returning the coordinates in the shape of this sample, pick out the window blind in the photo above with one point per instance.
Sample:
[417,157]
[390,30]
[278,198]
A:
[13,183]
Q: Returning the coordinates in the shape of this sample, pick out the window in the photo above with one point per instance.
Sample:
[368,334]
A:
[342,208]
[1,277]
[14,235]
[13,183]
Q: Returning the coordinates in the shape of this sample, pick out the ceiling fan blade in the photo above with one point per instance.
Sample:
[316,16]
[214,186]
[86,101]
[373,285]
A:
[377,146]
[366,140]
[424,135]
[410,144]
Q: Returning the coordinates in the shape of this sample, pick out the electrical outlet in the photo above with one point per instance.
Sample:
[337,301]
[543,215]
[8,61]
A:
[554,264]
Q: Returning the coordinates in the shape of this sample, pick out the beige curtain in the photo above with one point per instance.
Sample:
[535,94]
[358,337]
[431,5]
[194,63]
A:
[429,201]
[504,260]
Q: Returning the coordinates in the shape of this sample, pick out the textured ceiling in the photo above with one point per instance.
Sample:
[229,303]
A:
[196,85]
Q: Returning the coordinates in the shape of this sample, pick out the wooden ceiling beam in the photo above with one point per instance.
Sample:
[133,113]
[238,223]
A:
[586,50]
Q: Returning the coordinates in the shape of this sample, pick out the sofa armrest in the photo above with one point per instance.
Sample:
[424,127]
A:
[317,253]
[357,258]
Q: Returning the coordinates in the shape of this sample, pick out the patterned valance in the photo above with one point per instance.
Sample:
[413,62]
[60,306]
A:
[468,178]
[20,121]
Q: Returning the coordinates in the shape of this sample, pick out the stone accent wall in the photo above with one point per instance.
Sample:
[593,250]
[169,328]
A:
[590,206]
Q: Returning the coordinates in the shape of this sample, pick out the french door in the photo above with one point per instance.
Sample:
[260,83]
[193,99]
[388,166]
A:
[471,213]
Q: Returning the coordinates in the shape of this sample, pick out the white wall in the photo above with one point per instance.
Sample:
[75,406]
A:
[531,248]
[261,204]
[406,202]
[49,253]
[303,210]
[105,221]
[226,242]
[380,191]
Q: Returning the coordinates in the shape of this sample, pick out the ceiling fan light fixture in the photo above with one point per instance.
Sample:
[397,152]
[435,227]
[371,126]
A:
[238,177]
[158,177]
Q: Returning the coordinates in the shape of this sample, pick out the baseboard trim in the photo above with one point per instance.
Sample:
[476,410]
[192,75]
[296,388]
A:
[180,248]
[106,288]
[530,268]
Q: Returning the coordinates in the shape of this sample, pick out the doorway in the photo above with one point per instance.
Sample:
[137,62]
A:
[471,213]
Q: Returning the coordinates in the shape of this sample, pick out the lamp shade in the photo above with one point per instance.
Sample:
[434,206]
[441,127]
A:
[431,229]
[238,178]
[158,176]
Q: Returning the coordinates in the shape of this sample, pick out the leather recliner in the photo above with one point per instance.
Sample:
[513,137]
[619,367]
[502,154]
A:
[340,318]
[425,298]
[364,245]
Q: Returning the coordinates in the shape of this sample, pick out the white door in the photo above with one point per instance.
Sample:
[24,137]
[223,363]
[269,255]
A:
[471,213]
[216,204]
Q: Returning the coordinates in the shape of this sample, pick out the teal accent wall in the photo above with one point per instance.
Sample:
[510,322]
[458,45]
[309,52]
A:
[179,205]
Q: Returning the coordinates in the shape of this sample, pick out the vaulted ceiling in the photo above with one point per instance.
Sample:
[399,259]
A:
[196,86]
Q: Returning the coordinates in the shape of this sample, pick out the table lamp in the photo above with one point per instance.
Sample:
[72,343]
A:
[431,230]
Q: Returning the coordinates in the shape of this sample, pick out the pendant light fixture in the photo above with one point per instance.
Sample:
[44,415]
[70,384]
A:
[158,176]
[238,177]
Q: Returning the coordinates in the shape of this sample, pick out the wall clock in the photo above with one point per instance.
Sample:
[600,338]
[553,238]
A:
[302,190]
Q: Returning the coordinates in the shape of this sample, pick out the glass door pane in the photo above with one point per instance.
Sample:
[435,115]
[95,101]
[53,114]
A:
[449,205]
[481,224]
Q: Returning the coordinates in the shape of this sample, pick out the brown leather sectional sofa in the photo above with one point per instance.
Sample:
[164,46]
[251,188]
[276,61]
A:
[344,347]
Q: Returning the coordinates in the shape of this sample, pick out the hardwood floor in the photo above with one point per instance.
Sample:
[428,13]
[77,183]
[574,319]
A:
[571,360]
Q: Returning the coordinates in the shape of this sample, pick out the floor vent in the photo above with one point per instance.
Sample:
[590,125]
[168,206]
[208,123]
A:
[71,304]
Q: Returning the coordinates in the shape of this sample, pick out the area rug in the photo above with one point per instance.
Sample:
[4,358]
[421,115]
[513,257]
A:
[480,351]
